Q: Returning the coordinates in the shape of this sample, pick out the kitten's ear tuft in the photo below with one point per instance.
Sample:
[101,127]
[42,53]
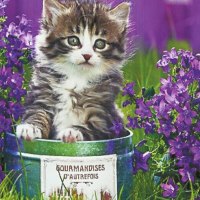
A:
[121,13]
[52,9]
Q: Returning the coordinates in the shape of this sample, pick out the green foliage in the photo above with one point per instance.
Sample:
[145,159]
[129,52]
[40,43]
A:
[142,69]
[2,19]
[3,59]
[149,92]
[178,44]
[8,190]
[27,68]
[145,187]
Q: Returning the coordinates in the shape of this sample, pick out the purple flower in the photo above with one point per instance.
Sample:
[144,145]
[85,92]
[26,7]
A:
[184,161]
[126,103]
[13,56]
[186,114]
[182,127]
[117,127]
[166,127]
[1,143]
[128,89]
[195,66]
[197,127]
[3,4]
[187,174]
[17,93]
[149,126]
[5,124]
[164,64]
[24,23]
[4,74]
[170,189]
[166,83]
[20,34]
[2,106]
[176,146]
[162,108]
[140,161]
[186,149]
[13,30]
[195,149]
[172,55]
[186,77]
[174,93]
[171,96]
[143,108]
[16,110]
[132,122]
[186,58]
[27,39]
[181,86]
[141,143]
[15,80]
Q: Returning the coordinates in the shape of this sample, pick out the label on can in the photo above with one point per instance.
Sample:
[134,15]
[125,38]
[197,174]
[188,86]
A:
[84,178]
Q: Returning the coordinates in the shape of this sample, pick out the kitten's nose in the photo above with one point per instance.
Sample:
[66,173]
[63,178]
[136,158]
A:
[86,56]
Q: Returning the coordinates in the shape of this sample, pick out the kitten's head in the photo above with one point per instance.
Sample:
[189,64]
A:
[84,35]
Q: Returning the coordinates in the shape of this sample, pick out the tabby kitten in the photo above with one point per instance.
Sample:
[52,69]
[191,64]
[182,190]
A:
[80,50]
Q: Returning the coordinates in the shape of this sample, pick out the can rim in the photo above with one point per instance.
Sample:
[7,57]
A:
[80,142]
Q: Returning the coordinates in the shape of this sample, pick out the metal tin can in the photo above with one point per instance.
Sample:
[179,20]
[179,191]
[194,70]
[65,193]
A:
[82,170]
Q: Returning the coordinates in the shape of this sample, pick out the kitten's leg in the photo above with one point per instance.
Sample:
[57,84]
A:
[36,124]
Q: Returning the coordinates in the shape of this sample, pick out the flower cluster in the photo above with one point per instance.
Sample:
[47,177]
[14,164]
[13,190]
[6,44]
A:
[140,159]
[15,54]
[3,4]
[170,189]
[174,112]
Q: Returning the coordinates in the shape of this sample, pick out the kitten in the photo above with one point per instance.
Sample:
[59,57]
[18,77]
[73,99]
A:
[80,50]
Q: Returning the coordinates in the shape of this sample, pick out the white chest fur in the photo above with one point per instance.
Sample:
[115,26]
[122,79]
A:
[65,116]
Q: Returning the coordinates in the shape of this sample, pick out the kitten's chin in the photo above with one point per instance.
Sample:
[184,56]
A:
[86,65]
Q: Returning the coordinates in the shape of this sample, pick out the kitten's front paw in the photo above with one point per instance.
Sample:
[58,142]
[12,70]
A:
[28,131]
[70,135]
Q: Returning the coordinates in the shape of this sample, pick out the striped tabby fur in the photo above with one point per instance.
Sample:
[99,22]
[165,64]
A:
[80,50]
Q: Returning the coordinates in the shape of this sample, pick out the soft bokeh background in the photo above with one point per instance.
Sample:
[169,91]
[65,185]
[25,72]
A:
[155,21]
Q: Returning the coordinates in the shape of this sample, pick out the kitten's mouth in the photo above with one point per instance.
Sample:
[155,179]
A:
[87,64]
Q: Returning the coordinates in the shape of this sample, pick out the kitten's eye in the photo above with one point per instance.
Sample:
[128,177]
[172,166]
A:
[100,44]
[74,41]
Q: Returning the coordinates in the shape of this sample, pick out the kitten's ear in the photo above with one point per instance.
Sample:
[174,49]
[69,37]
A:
[51,10]
[121,14]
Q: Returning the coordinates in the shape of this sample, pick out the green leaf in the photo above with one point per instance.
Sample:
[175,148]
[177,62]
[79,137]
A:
[149,93]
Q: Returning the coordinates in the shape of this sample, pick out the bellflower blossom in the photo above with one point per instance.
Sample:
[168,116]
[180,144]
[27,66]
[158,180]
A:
[174,113]
[3,4]
[117,127]
[140,160]
[128,89]
[169,189]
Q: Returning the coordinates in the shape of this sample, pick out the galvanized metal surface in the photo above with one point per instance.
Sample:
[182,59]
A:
[24,157]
